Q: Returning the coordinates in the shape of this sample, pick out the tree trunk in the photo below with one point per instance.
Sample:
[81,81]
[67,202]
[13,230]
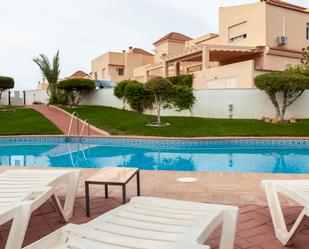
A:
[284,105]
[276,105]
[158,106]
[124,104]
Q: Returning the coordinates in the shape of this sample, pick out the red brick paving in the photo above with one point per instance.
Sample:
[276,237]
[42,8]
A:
[62,120]
[254,231]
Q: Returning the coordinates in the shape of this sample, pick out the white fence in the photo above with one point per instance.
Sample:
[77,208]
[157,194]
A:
[247,103]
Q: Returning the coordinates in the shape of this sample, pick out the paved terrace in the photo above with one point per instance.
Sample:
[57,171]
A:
[254,227]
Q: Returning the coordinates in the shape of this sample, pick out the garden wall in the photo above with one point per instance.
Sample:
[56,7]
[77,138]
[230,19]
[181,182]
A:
[247,103]
[36,96]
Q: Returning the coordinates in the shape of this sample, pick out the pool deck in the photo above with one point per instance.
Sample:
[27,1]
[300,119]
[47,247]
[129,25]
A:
[242,189]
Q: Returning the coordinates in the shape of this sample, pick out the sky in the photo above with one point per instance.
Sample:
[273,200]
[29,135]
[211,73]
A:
[82,30]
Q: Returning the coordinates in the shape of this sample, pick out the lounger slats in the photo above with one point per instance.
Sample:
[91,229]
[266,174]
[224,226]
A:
[121,240]
[22,191]
[147,225]
[161,214]
[168,209]
[155,220]
[138,232]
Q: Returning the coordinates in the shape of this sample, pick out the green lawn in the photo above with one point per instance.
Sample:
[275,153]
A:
[24,121]
[120,122]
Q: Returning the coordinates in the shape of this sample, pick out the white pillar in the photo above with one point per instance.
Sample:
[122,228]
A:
[205,56]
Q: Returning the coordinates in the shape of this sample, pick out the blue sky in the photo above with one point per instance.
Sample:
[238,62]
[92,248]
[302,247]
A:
[82,30]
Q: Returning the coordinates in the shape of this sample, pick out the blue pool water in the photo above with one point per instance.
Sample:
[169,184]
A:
[244,155]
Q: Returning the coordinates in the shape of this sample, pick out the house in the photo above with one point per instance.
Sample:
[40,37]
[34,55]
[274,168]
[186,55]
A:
[115,66]
[252,39]
[79,74]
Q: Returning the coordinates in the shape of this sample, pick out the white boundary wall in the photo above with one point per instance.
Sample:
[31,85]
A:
[36,95]
[4,98]
[247,103]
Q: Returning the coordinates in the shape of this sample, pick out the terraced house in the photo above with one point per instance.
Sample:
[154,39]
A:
[253,38]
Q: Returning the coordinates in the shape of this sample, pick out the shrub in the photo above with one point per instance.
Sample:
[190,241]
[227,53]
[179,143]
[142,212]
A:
[182,80]
[181,97]
[76,88]
[5,84]
[290,83]
[137,96]
[119,90]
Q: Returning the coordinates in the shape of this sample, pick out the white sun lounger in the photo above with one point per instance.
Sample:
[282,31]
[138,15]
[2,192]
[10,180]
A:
[148,223]
[297,190]
[23,191]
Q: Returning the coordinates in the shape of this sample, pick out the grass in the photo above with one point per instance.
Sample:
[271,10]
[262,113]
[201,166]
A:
[121,122]
[25,121]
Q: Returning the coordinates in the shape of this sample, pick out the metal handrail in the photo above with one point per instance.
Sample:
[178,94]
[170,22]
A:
[83,127]
[74,114]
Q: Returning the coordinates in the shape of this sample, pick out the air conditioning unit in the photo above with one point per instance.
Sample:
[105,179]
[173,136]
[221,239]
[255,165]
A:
[282,40]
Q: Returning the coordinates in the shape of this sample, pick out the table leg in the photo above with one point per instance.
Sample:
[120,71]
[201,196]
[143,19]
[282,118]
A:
[124,194]
[138,181]
[87,199]
[106,191]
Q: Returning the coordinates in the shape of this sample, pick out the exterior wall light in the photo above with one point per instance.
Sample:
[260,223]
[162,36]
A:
[230,107]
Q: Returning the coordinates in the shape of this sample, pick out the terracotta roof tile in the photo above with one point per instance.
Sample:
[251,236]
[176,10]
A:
[173,36]
[287,5]
[141,51]
[79,74]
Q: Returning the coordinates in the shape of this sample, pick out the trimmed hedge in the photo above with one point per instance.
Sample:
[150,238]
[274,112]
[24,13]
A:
[76,88]
[76,84]
[281,82]
[6,83]
[182,80]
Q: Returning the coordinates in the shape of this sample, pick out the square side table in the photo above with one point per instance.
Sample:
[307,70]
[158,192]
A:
[112,176]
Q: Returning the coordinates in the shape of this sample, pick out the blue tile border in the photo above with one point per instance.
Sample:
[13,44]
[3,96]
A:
[297,143]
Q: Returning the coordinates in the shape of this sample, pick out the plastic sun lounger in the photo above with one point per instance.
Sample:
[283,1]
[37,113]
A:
[148,223]
[23,191]
[297,190]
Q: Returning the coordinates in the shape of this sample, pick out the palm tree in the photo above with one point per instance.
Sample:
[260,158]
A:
[50,71]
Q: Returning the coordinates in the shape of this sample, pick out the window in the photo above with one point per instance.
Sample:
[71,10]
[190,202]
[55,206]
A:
[103,73]
[95,76]
[307,31]
[238,32]
[120,71]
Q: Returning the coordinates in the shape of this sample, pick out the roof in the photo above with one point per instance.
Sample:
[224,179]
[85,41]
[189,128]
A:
[286,5]
[174,36]
[79,74]
[141,51]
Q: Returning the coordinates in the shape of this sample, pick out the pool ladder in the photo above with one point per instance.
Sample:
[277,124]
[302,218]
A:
[74,115]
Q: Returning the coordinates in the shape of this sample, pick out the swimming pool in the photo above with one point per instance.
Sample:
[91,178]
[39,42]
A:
[214,155]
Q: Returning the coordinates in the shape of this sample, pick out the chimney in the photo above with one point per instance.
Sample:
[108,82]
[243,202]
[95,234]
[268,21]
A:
[130,50]
[123,51]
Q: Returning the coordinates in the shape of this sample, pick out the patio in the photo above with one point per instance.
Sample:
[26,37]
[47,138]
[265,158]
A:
[254,227]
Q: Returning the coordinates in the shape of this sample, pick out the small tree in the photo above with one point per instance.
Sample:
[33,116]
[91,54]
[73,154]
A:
[5,84]
[137,96]
[76,88]
[290,83]
[119,90]
[160,89]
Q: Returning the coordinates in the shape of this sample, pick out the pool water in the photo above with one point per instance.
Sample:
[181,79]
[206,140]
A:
[188,155]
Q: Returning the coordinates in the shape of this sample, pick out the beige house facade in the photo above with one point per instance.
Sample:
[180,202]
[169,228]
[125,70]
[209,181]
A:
[253,38]
[115,66]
